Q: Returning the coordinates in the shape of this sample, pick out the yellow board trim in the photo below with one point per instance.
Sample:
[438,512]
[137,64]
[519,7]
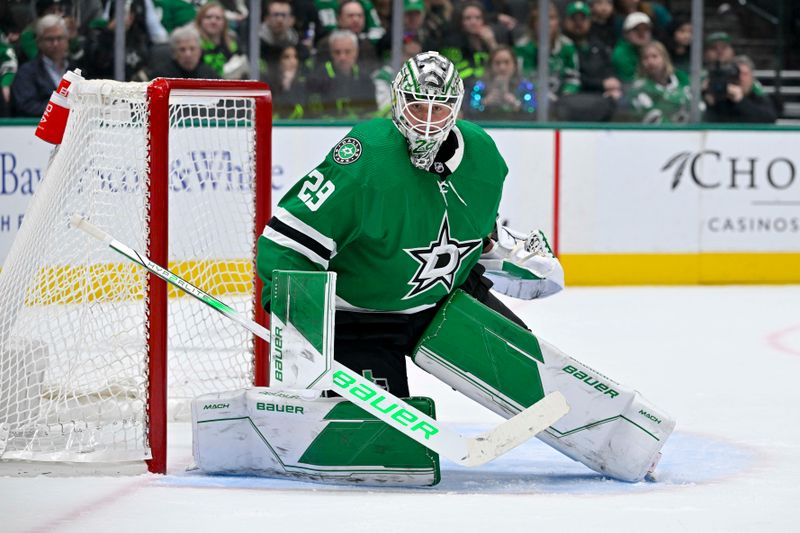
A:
[681,269]
[68,284]
[125,281]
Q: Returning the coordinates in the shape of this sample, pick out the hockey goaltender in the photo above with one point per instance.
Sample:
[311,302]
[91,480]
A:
[396,230]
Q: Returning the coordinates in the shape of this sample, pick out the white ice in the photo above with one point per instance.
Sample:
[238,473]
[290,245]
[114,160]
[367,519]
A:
[723,360]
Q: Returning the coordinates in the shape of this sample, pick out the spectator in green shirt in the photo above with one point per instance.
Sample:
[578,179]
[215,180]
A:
[658,95]
[219,44]
[8,68]
[637,32]
[563,62]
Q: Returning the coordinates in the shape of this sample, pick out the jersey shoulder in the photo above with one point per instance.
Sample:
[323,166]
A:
[377,134]
[368,150]
[479,146]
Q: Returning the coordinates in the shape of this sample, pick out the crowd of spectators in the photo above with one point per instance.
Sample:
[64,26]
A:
[622,60]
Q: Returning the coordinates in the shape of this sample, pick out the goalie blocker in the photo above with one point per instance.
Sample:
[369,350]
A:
[610,428]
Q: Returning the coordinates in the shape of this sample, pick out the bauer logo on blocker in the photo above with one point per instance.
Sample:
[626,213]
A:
[347,151]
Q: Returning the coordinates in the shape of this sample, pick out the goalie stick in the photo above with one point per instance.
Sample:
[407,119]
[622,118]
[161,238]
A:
[467,451]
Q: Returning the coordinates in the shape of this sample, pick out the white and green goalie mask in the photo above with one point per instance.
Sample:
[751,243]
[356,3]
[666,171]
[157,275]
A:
[426,98]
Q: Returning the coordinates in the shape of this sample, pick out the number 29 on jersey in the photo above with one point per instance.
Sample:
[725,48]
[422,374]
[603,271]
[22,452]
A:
[315,190]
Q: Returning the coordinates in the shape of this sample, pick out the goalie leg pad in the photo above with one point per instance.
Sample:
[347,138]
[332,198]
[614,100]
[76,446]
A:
[610,428]
[299,435]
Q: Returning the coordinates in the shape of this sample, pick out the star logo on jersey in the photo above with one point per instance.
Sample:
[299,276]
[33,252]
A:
[347,151]
[439,261]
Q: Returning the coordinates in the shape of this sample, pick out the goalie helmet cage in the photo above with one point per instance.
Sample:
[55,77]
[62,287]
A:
[90,344]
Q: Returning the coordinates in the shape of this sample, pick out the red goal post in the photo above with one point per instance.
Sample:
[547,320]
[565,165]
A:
[159,92]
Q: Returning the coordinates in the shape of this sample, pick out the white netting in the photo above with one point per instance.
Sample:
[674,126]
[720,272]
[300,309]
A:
[73,316]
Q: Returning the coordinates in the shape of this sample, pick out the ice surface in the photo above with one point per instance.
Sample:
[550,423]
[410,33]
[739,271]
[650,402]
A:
[722,360]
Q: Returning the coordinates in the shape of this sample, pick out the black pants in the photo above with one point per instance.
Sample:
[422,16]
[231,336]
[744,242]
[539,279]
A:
[376,344]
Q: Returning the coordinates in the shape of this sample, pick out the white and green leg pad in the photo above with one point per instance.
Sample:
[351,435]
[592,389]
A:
[609,428]
[302,310]
[300,435]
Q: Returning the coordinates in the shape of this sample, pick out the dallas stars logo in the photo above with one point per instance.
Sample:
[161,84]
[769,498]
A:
[439,261]
[347,151]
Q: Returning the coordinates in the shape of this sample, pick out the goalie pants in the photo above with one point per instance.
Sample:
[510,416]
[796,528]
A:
[376,344]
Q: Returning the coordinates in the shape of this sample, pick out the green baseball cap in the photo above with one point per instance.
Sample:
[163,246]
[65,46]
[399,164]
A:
[578,7]
[413,5]
[718,36]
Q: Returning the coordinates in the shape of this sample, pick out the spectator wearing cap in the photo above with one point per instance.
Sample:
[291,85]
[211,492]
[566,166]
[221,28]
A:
[603,29]
[718,48]
[414,19]
[660,16]
[658,95]
[600,89]
[741,100]
[38,78]
[636,34]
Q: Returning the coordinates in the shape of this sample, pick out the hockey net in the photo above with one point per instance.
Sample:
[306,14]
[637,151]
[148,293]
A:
[179,169]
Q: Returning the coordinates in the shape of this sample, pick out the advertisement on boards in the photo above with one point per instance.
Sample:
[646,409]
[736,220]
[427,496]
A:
[679,192]
[23,160]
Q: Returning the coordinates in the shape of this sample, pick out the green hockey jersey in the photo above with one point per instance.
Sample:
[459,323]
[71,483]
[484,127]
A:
[399,238]
[655,103]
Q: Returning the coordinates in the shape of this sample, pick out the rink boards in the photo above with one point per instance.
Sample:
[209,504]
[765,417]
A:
[622,206]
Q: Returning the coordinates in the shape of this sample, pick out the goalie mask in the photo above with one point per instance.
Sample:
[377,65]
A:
[426,98]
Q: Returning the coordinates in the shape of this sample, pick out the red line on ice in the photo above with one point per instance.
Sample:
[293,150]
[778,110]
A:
[776,340]
[91,507]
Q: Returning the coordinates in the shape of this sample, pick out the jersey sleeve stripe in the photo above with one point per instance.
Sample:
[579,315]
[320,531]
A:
[295,223]
[299,237]
[287,242]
